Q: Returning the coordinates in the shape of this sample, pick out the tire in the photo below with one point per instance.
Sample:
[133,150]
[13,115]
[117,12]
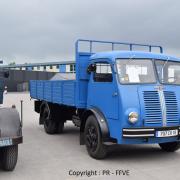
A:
[50,124]
[61,127]
[170,146]
[93,139]
[41,117]
[9,157]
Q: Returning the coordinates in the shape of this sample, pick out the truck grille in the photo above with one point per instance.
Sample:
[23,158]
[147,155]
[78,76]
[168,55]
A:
[153,114]
[171,107]
[153,109]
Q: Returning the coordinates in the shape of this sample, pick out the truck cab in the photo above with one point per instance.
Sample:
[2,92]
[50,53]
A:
[138,93]
[122,97]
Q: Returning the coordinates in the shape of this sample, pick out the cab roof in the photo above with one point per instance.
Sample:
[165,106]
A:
[132,54]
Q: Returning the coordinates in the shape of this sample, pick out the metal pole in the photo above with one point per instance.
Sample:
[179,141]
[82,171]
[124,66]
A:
[21,113]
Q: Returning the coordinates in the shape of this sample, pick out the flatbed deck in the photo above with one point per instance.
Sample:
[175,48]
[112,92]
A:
[55,91]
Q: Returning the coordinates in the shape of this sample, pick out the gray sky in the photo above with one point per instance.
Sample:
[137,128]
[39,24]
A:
[45,30]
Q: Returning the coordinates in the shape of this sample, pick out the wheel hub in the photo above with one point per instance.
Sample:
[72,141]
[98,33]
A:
[92,138]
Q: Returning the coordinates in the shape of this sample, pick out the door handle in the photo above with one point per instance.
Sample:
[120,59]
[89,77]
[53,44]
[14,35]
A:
[114,94]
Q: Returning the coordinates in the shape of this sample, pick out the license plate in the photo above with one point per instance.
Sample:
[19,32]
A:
[5,142]
[167,133]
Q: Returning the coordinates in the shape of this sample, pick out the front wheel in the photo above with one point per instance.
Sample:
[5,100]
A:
[9,157]
[93,139]
[170,146]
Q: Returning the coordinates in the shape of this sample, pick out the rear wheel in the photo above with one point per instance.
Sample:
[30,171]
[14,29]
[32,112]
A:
[51,122]
[170,146]
[60,127]
[50,125]
[93,139]
[9,156]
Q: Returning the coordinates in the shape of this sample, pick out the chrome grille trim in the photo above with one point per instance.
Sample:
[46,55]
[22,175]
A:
[163,107]
[139,135]
[132,130]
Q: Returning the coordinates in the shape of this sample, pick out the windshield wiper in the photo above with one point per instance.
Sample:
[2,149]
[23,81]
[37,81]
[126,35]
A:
[131,58]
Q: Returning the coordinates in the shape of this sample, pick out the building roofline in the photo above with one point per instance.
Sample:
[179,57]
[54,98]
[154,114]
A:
[37,64]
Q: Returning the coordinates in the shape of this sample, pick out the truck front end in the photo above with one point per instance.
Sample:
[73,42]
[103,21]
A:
[149,99]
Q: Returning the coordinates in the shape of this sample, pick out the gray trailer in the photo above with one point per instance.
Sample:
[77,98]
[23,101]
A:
[10,131]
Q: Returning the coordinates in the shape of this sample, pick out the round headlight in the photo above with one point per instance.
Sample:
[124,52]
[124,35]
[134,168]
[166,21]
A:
[133,117]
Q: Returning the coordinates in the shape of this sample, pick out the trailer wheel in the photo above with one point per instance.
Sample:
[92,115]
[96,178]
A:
[170,146]
[9,156]
[50,125]
[93,140]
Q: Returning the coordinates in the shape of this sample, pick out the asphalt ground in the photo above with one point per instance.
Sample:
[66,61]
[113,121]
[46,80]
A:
[59,157]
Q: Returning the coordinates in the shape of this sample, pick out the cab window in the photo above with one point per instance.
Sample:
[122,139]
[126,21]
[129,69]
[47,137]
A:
[168,71]
[103,72]
[135,71]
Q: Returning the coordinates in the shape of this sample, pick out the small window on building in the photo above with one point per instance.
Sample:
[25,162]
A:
[72,67]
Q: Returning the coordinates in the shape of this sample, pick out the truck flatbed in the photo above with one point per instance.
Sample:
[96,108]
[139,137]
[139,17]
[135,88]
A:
[55,91]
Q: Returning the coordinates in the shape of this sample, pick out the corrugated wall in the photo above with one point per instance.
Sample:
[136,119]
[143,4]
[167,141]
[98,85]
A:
[18,80]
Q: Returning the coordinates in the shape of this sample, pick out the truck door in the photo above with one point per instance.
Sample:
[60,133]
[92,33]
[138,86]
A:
[102,90]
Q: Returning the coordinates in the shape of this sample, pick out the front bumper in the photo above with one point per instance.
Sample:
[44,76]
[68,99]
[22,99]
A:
[149,132]
[9,141]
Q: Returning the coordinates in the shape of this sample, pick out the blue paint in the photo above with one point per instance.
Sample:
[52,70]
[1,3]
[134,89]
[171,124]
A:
[85,93]
[29,68]
[60,92]
[62,68]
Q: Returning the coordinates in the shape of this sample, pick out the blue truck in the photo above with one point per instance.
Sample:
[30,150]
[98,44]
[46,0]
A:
[122,97]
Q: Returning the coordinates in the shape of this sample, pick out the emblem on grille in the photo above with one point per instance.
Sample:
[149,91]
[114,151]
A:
[159,88]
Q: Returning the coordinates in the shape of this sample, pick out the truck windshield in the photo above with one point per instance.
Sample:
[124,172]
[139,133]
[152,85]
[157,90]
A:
[135,71]
[168,71]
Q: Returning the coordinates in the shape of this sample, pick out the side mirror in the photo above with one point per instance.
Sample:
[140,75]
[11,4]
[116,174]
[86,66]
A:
[91,68]
[6,74]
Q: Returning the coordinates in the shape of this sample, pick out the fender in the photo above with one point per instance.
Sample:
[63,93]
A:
[101,121]
[10,125]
